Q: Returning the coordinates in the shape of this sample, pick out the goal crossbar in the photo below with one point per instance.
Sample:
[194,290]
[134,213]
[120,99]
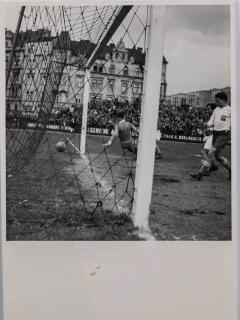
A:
[112,29]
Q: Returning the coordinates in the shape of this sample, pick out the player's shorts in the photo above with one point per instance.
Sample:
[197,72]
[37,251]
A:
[208,142]
[130,145]
[220,139]
[158,135]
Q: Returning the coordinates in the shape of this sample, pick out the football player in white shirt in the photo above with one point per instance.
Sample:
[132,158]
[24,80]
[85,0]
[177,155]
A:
[220,121]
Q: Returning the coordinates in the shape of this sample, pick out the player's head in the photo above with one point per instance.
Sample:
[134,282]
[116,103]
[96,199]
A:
[221,99]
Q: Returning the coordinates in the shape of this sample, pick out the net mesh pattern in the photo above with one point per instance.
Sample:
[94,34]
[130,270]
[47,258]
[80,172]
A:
[45,90]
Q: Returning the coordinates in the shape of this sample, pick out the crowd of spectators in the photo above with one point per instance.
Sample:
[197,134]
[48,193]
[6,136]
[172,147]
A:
[102,114]
[173,120]
[183,120]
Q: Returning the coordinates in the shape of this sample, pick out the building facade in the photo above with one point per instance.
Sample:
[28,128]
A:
[196,99]
[8,45]
[116,73]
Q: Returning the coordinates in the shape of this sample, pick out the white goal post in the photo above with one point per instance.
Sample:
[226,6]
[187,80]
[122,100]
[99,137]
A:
[148,123]
[149,112]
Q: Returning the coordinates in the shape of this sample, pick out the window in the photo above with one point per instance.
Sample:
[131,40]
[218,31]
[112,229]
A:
[123,56]
[29,95]
[14,92]
[79,82]
[116,55]
[124,87]
[95,67]
[63,96]
[111,86]
[125,71]
[97,97]
[137,88]
[15,76]
[112,69]
[97,84]
[100,69]
[17,60]
[123,99]
[94,84]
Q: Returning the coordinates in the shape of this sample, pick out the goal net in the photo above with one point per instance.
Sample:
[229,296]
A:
[70,72]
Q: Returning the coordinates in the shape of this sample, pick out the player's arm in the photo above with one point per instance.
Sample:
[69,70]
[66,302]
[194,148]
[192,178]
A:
[210,123]
[134,129]
[113,137]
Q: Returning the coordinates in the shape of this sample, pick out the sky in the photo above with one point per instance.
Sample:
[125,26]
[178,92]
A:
[196,45]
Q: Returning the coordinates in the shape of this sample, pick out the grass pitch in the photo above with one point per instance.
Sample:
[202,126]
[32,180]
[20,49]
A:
[44,201]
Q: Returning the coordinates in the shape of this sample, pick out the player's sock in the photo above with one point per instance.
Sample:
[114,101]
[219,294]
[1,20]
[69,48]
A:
[226,164]
[196,176]
[213,167]
[202,172]
[205,168]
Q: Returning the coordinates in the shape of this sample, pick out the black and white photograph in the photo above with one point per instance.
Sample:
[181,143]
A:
[118,123]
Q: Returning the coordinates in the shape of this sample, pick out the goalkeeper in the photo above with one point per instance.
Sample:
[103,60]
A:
[126,132]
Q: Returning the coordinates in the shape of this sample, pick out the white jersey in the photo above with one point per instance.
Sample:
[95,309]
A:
[221,119]
[208,142]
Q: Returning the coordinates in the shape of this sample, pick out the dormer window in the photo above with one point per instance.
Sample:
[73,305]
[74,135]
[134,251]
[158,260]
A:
[100,68]
[123,56]
[125,71]
[95,67]
[112,69]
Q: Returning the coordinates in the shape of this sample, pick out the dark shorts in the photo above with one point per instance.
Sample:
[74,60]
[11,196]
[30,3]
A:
[130,145]
[220,139]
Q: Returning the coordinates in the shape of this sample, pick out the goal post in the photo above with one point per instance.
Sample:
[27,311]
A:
[94,55]
[86,97]
[149,118]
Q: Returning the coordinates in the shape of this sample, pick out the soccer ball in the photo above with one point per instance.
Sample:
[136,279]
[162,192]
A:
[61,146]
